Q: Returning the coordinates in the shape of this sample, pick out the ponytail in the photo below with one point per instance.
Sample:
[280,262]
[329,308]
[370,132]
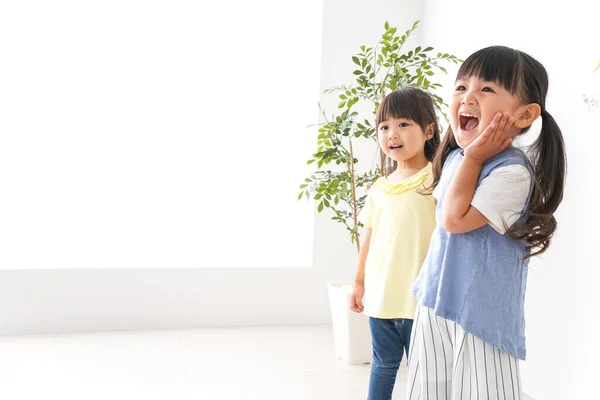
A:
[548,161]
[447,145]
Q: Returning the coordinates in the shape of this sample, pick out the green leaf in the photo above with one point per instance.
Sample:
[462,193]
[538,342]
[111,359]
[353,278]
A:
[412,68]
[300,195]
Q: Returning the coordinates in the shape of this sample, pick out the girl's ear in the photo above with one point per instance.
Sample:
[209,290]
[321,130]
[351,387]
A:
[429,131]
[526,115]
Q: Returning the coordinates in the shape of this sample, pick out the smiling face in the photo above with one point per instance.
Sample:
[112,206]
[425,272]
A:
[402,139]
[493,80]
[407,130]
[474,104]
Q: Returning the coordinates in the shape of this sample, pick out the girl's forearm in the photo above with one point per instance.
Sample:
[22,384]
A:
[359,278]
[461,190]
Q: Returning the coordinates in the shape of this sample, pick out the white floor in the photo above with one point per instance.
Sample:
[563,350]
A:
[215,363]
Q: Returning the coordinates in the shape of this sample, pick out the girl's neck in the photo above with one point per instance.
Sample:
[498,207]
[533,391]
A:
[406,169]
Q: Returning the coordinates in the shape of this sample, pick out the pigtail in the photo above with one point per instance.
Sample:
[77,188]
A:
[447,145]
[433,143]
[548,161]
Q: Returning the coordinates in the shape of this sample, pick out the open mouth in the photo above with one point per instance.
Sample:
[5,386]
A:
[396,147]
[468,122]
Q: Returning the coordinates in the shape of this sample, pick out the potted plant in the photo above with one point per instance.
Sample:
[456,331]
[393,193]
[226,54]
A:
[339,184]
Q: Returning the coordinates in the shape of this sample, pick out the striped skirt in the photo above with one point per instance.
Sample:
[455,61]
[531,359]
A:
[447,363]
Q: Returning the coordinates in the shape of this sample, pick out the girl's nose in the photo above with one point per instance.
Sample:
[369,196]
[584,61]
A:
[468,98]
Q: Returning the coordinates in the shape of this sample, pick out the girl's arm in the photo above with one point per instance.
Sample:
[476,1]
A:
[362,257]
[459,215]
[358,291]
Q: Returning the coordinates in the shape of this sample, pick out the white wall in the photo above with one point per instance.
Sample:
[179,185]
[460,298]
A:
[562,299]
[139,119]
[33,301]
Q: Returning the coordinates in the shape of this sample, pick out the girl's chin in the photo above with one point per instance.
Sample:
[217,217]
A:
[465,137]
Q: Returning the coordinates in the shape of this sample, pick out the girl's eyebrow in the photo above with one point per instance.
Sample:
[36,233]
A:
[464,79]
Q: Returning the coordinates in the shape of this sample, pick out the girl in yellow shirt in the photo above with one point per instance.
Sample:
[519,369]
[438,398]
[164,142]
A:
[399,221]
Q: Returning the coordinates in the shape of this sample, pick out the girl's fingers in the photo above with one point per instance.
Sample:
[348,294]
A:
[501,126]
[491,130]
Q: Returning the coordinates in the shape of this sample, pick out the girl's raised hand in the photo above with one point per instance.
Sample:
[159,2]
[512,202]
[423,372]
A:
[493,140]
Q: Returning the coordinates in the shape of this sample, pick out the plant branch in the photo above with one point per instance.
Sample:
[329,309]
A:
[350,164]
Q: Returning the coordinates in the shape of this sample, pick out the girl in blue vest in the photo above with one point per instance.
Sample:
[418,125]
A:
[495,207]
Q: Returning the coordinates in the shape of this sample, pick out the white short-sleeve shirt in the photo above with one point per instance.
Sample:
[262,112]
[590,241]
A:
[501,196]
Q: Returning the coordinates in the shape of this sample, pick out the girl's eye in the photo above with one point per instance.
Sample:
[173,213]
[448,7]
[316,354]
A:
[461,88]
[383,127]
[403,124]
[487,89]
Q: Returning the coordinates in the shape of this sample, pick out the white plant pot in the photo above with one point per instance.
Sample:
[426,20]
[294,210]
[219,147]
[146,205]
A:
[351,332]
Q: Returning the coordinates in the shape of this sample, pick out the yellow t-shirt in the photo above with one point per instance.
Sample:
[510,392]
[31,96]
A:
[402,221]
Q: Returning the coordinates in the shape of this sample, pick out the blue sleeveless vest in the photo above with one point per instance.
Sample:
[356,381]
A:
[477,279]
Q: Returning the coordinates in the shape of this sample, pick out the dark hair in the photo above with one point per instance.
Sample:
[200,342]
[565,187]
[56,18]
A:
[525,77]
[416,105]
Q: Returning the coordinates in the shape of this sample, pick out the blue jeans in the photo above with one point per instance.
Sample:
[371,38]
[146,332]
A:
[391,340]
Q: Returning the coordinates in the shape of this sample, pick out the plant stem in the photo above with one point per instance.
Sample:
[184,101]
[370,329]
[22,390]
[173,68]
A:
[350,165]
